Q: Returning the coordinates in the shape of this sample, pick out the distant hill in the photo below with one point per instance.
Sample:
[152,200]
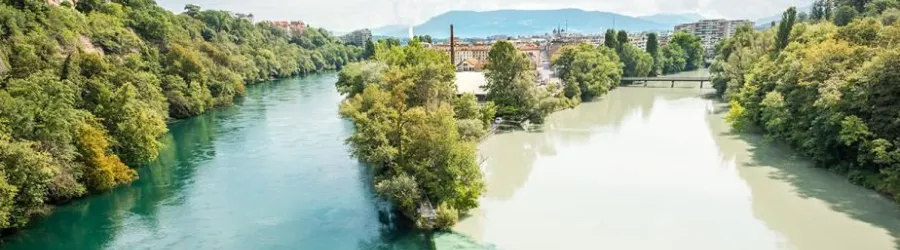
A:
[530,22]
[673,19]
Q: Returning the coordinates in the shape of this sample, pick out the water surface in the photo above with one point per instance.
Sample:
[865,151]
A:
[658,168]
[269,173]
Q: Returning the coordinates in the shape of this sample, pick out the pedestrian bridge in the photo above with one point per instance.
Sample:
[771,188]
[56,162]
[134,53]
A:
[634,80]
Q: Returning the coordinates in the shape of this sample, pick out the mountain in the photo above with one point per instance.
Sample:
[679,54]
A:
[526,22]
[673,19]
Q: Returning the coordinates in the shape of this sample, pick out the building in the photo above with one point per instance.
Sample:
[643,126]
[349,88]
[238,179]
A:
[663,37]
[357,37]
[711,31]
[59,2]
[473,56]
[290,27]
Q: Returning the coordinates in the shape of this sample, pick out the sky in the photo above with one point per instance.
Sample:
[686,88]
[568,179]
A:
[347,15]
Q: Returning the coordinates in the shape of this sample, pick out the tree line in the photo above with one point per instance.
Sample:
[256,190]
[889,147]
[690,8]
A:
[683,52]
[826,85]
[86,89]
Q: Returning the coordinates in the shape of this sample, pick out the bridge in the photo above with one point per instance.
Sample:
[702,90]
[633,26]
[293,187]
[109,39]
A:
[672,79]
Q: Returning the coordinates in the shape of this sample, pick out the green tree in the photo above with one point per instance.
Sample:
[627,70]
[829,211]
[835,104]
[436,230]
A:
[674,59]
[653,49]
[784,28]
[354,78]
[636,61]
[510,82]
[588,72]
[692,50]
[408,130]
[844,15]
[369,50]
[817,11]
[621,40]
[609,39]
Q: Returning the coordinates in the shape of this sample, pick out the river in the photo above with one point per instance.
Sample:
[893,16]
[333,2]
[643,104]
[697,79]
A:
[658,168]
[271,172]
[642,168]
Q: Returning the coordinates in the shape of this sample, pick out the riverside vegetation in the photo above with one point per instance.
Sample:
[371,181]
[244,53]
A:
[825,83]
[419,138]
[86,90]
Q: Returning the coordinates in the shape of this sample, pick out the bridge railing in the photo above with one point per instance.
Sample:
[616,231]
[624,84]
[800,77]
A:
[671,79]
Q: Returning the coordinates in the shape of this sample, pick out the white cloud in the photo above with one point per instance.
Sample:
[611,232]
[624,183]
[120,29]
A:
[344,15]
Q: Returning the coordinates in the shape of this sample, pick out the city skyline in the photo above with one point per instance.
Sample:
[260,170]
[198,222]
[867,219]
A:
[348,15]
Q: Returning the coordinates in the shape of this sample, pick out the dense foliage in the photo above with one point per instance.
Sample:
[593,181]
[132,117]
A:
[831,92]
[511,86]
[588,72]
[610,40]
[682,53]
[636,62]
[653,50]
[414,132]
[87,89]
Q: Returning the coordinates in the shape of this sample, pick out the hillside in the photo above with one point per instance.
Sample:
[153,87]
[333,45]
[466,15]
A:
[673,19]
[515,22]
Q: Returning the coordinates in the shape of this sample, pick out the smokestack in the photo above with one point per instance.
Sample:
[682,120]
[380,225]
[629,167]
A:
[452,50]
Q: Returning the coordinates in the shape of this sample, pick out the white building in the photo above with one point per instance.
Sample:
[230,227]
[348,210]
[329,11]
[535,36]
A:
[711,31]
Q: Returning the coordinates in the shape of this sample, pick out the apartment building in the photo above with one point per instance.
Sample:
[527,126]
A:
[291,27]
[711,31]
[357,37]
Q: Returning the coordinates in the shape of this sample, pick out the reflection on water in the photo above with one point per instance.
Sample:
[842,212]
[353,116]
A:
[657,168]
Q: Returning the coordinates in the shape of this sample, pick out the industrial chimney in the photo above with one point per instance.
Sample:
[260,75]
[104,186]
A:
[452,49]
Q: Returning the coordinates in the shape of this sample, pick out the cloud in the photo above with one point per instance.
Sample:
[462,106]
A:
[345,15]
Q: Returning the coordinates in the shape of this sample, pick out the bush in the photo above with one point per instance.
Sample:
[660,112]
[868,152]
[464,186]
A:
[446,216]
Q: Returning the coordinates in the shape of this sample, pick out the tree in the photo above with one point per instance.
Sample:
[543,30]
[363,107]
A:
[674,59]
[844,15]
[354,78]
[609,39]
[784,28]
[408,130]
[817,11]
[636,61]
[466,107]
[85,92]
[858,5]
[192,10]
[588,72]
[831,95]
[621,39]
[510,82]
[802,17]
[369,50]
[828,9]
[653,49]
[691,49]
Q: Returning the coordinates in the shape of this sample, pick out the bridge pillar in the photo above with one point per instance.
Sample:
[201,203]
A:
[701,84]
[673,84]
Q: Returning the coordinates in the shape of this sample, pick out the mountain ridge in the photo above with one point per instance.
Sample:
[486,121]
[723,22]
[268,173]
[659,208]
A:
[470,23]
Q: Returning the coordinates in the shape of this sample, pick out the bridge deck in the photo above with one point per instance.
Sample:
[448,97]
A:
[669,78]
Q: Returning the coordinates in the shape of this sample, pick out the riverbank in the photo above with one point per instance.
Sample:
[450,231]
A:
[658,168]
[270,172]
